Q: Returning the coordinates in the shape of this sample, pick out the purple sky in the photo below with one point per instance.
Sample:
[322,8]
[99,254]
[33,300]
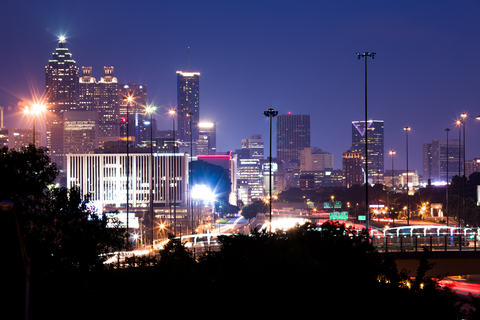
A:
[295,55]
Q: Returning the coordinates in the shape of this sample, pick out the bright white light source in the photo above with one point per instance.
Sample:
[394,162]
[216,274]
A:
[62,38]
[203,192]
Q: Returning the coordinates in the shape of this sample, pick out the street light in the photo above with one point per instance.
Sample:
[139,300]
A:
[365,55]
[150,110]
[392,153]
[190,171]
[35,111]
[407,129]
[172,113]
[130,100]
[447,130]
[270,114]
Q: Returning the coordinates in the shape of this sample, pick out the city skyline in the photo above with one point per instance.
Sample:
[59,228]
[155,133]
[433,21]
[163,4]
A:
[410,96]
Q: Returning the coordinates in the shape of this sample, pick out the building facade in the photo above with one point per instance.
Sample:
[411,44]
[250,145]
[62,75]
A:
[102,177]
[352,167]
[80,131]
[293,135]
[375,147]
[254,146]
[188,106]
[315,159]
[207,138]
[138,129]
[435,158]
[61,90]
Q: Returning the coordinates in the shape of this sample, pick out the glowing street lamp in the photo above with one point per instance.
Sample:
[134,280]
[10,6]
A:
[129,100]
[35,111]
[150,110]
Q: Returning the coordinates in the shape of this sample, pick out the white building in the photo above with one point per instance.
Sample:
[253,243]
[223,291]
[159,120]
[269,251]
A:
[102,177]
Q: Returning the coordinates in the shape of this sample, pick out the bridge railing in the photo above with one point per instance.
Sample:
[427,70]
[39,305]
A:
[415,243]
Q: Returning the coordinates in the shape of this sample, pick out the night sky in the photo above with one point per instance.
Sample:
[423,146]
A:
[295,55]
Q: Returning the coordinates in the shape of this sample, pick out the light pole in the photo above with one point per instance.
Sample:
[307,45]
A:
[407,130]
[190,172]
[270,114]
[459,125]
[391,153]
[365,55]
[129,100]
[464,115]
[173,112]
[150,110]
[34,111]
[447,130]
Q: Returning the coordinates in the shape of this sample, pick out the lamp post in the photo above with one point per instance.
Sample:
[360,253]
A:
[173,112]
[464,115]
[35,110]
[391,153]
[365,55]
[270,114]
[459,125]
[130,101]
[150,111]
[407,130]
[190,172]
[447,130]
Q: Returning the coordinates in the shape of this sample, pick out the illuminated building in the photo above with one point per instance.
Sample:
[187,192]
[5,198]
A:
[207,138]
[315,159]
[188,106]
[254,146]
[320,179]
[137,117]
[102,177]
[80,131]
[434,156]
[375,147]
[277,177]
[102,97]
[249,180]
[413,180]
[293,135]
[61,89]
[352,168]
[3,137]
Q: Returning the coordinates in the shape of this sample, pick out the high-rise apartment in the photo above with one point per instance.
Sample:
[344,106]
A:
[293,135]
[375,146]
[61,89]
[188,106]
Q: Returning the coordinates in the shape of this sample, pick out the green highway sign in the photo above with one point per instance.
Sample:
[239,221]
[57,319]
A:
[327,205]
[362,218]
[335,215]
[337,204]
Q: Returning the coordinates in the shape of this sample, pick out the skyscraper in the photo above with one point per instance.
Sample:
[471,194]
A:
[315,159]
[293,134]
[61,89]
[434,156]
[353,163]
[375,147]
[87,86]
[188,102]
[207,138]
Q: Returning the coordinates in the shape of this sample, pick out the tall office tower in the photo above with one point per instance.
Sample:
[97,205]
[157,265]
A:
[136,113]
[434,156]
[353,163]
[86,90]
[315,159]
[255,146]
[61,89]
[207,138]
[293,134]
[375,147]
[188,102]
[80,132]
[3,137]
[107,104]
